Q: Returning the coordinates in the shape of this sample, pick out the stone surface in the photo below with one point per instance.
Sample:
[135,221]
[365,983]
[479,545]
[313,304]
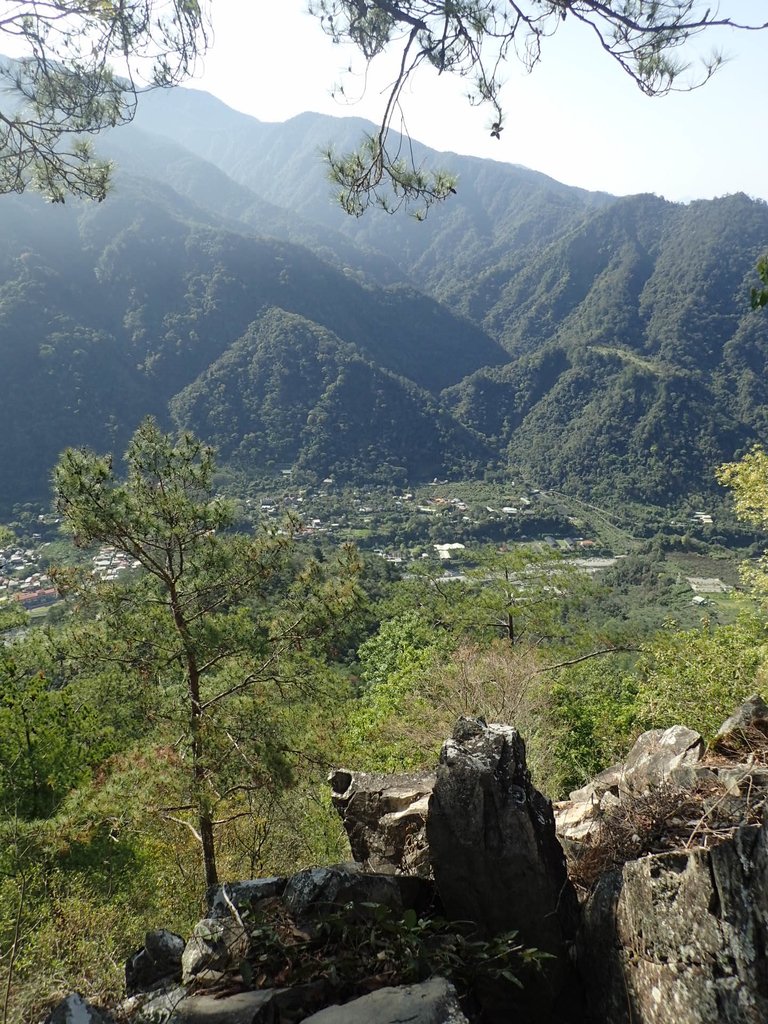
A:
[314,890]
[152,1007]
[431,1002]
[157,963]
[385,818]
[240,1008]
[75,1010]
[495,856]
[656,754]
[218,944]
[607,781]
[576,819]
[244,896]
[734,733]
[681,938]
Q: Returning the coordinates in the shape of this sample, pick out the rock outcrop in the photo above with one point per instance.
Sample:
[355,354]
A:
[385,819]
[315,891]
[497,861]
[670,849]
[681,937]
[157,964]
[668,852]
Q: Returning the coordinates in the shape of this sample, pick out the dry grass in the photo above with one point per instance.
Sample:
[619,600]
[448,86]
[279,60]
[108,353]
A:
[665,819]
[750,742]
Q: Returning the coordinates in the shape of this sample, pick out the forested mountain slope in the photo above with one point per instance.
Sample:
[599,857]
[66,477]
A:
[106,312]
[498,208]
[601,345]
[289,393]
[642,365]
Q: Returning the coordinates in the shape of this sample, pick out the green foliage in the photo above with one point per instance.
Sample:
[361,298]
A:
[290,393]
[759,296]
[76,898]
[44,748]
[748,480]
[200,620]
[593,712]
[86,67]
[359,942]
[698,677]
[381,723]
[639,391]
[371,176]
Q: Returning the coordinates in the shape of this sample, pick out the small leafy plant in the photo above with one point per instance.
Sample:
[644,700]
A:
[360,947]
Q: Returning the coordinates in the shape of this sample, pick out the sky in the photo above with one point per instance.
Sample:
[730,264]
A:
[576,117]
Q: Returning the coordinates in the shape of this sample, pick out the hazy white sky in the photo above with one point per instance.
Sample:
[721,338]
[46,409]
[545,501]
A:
[576,117]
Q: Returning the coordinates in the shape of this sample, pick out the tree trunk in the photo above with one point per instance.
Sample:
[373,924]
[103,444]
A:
[204,819]
[209,849]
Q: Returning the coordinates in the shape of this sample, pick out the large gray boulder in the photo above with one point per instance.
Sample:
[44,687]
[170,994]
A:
[681,937]
[243,897]
[239,1008]
[218,945]
[385,819]
[496,859]
[180,1005]
[657,756]
[157,963]
[431,1002]
[747,724]
[314,891]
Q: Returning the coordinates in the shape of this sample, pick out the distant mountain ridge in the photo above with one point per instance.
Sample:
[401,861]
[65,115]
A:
[599,345]
[107,312]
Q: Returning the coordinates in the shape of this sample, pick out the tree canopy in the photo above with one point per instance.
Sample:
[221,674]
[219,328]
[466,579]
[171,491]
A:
[748,480]
[84,63]
[200,617]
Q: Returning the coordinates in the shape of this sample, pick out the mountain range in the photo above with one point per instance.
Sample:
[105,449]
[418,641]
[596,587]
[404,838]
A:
[599,345]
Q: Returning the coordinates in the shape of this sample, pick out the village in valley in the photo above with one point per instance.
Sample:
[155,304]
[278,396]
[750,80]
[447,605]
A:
[437,524]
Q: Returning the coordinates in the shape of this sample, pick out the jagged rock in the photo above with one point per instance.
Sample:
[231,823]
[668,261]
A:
[157,963]
[218,944]
[607,781]
[495,856]
[75,1010]
[244,896]
[736,732]
[576,819]
[314,890]
[656,755]
[681,938]
[431,1002]
[385,819]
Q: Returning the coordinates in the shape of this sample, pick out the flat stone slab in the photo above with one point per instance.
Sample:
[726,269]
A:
[431,1002]
[241,1008]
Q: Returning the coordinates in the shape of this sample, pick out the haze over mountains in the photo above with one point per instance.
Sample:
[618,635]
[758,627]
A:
[599,345]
